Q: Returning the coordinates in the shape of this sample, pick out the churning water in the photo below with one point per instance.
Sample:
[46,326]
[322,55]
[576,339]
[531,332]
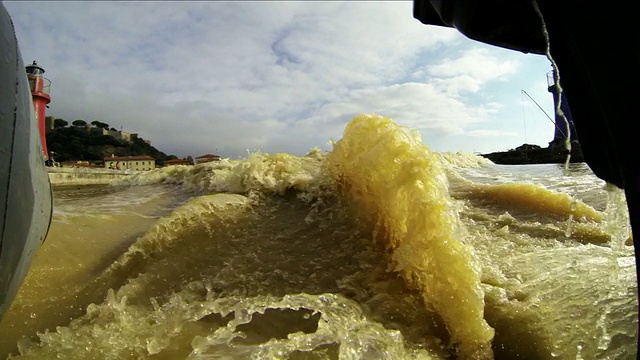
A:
[380,249]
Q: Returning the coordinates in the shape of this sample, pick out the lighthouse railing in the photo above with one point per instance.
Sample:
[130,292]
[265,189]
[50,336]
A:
[39,84]
[551,81]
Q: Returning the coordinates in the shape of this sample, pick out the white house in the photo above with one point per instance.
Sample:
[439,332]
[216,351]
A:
[134,163]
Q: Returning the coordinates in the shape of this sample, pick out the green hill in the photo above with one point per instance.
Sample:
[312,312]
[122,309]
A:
[79,143]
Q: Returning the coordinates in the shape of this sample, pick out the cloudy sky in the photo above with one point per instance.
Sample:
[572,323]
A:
[238,77]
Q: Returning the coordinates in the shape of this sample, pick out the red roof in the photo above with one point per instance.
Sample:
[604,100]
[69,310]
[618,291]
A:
[207,156]
[127,158]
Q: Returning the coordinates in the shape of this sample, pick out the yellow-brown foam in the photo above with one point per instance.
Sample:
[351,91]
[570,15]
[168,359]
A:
[392,178]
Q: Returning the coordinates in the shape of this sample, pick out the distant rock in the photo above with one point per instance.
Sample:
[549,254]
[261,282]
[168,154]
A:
[534,154]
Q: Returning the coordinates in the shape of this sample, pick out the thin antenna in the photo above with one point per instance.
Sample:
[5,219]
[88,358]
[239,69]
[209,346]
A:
[524,118]
[544,112]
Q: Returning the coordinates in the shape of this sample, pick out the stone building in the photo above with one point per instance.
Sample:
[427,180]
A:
[122,135]
[133,163]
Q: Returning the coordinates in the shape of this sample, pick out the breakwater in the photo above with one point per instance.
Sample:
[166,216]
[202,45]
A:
[531,154]
[85,176]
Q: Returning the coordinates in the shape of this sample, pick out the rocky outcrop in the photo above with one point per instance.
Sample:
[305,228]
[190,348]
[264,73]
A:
[533,154]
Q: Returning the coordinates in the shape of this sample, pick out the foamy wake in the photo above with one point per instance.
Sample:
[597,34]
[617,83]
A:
[129,324]
[117,329]
[463,160]
[272,173]
[390,177]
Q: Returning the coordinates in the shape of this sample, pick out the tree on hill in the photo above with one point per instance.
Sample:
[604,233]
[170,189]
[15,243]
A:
[60,123]
[100,124]
[79,123]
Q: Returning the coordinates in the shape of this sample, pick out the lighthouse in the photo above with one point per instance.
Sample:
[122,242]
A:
[40,87]
[561,130]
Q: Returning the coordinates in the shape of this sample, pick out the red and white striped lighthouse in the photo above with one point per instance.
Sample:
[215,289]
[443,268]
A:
[40,87]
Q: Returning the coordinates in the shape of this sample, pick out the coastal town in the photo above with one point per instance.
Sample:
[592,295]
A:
[124,150]
[145,163]
[95,144]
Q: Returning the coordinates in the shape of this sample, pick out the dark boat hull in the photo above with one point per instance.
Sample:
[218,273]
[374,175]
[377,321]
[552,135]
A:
[25,191]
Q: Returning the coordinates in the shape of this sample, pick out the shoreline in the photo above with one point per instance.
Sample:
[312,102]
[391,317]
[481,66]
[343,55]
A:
[85,176]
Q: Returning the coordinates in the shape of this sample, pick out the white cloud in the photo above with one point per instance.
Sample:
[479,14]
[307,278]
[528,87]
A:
[278,76]
[491,133]
[478,63]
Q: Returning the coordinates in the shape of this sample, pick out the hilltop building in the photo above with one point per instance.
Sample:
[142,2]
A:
[98,130]
[134,163]
[122,135]
[49,124]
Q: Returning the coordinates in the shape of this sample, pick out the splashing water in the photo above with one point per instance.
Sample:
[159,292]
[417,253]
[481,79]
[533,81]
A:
[380,248]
